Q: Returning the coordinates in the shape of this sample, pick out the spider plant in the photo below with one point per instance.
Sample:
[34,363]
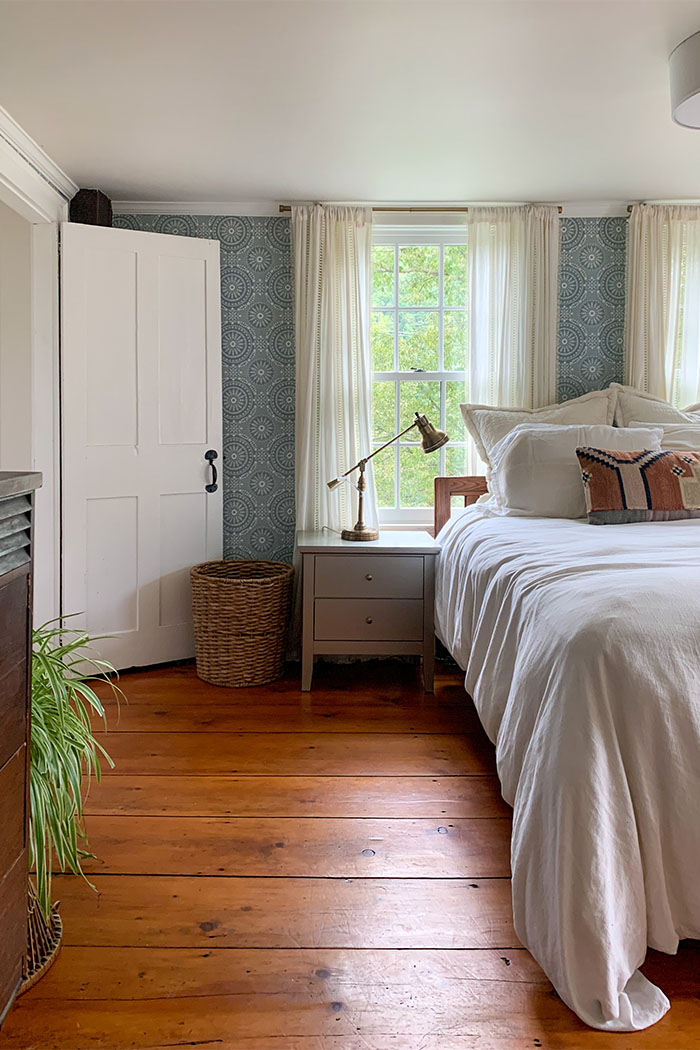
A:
[64,754]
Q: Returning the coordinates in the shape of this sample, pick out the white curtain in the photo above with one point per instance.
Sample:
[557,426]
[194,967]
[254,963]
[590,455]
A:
[663,302]
[332,251]
[513,278]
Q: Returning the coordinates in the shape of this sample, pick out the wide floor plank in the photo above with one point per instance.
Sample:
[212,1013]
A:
[309,716]
[301,847]
[299,754]
[415,1000]
[375,683]
[477,796]
[177,912]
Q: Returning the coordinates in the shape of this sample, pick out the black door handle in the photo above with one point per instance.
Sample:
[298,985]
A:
[210,455]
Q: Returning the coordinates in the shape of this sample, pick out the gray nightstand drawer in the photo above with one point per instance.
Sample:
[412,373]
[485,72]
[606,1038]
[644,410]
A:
[367,576]
[378,619]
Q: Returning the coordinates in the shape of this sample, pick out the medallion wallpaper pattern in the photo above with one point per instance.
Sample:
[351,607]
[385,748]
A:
[591,305]
[257,321]
[257,329]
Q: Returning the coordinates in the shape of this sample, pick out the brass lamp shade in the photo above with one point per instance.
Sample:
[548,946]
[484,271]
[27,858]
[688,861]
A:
[431,438]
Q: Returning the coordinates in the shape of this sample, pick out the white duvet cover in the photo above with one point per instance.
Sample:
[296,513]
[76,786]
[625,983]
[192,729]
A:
[581,647]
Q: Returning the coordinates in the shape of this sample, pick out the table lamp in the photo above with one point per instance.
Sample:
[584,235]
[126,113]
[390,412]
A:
[430,439]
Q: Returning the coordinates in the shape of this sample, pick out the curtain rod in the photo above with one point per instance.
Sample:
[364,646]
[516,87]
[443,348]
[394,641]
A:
[669,204]
[453,211]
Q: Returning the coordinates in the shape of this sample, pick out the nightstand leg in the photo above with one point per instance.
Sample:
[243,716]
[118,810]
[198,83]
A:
[307,622]
[428,624]
[307,669]
[429,665]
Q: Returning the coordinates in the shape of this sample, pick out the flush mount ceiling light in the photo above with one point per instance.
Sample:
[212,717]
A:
[684,67]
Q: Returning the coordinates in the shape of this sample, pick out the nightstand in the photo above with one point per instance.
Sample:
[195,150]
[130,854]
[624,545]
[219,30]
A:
[372,598]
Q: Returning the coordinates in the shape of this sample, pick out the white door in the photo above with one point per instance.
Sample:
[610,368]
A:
[141,405]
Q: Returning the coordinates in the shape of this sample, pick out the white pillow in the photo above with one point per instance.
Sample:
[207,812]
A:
[636,404]
[535,471]
[683,436]
[489,425]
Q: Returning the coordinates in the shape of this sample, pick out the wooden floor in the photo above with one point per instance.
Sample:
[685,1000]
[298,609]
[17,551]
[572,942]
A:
[279,871]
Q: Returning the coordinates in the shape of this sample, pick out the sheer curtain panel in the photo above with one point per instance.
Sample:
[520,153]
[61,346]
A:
[663,302]
[332,249]
[513,274]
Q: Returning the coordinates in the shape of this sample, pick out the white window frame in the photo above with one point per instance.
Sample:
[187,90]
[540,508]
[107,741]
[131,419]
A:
[399,236]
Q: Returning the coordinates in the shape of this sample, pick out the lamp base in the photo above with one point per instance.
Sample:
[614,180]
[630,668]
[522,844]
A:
[361,533]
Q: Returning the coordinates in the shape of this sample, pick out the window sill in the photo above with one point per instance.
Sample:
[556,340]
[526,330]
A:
[407,526]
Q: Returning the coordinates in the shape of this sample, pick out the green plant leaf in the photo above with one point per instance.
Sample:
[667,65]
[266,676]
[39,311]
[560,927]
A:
[64,754]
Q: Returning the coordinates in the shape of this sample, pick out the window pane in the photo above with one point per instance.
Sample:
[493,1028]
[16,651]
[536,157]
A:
[455,282]
[418,397]
[455,395]
[419,275]
[383,275]
[384,411]
[455,340]
[418,341]
[416,478]
[455,462]
[382,340]
[384,473]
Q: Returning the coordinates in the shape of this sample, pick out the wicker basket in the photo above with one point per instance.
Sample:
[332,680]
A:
[241,614]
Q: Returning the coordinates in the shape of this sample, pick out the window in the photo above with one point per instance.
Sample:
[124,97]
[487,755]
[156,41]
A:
[419,360]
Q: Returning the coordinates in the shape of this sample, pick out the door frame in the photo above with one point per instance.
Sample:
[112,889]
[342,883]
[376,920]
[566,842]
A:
[36,188]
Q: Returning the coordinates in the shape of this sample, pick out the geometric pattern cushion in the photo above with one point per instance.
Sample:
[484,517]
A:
[623,487]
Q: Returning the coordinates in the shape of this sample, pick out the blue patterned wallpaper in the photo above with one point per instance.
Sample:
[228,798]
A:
[258,375]
[591,305]
[258,354]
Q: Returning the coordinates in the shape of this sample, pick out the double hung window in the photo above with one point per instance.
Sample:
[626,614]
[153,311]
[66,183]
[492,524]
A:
[419,329]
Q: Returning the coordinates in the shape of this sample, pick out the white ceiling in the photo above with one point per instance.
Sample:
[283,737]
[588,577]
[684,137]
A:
[383,100]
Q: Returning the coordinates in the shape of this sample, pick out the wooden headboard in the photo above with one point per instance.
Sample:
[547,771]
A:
[446,488]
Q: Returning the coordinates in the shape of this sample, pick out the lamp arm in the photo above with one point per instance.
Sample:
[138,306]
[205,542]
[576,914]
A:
[386,444]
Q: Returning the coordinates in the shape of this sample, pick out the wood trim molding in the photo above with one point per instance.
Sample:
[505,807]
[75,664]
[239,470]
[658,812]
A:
[195,208]
[45,420]
[30,182]
[594,209]
[445,488]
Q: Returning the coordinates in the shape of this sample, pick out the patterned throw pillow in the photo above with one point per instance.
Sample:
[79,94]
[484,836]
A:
[639,486]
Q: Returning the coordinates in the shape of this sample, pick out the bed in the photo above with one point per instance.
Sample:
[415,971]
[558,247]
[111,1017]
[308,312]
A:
[581,650]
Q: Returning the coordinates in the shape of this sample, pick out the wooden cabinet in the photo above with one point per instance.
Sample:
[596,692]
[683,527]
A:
[16,501]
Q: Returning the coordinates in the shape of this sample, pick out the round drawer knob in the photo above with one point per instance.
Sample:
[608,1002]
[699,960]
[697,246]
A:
[369,619]
[369,576]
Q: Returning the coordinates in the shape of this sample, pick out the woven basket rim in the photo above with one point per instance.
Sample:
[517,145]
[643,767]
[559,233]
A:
[269,570]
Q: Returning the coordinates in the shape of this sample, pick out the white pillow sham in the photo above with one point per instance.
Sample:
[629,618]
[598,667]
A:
[683,436]
[535,472]
[636,404]
[488,425]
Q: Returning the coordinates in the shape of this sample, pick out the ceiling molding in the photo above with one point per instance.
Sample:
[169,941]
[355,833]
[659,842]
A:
[195,207]
[33,155]
[572,209]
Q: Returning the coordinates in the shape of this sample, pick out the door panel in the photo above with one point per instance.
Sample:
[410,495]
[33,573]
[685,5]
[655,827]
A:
[110,332]
[141,376]
[182,394]
[182,533]
[112,565]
